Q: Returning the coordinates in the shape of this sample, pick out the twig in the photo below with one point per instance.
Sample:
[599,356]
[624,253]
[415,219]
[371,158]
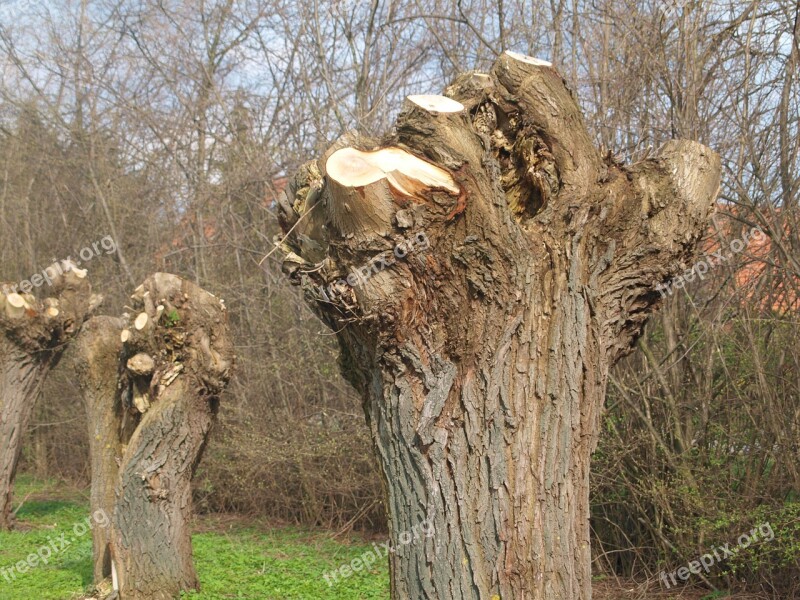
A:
[288,233]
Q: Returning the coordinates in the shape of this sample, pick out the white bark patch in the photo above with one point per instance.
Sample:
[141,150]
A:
[141,364]
[141,400]
[528,59]
[114,579]
[404,171]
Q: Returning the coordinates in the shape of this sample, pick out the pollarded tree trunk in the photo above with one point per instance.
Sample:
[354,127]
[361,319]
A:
[484,267]
[33,336]
[151,391]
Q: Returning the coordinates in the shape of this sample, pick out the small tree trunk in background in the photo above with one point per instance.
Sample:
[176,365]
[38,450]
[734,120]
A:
[33,336]
[151,391]
[41,466]
[483,269]
[97,356]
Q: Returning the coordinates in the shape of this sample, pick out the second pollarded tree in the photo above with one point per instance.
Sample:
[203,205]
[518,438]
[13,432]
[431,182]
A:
[151,384]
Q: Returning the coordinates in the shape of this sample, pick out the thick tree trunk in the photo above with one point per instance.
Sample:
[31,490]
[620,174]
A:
[33,336]
[156,496]
[151,391]
[484,267]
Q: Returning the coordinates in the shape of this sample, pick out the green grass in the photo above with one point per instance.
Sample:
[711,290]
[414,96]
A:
[241,562]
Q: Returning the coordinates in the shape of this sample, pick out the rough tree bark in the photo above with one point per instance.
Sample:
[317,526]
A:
[151,389]
[33,336]
[97,355]
[483,353]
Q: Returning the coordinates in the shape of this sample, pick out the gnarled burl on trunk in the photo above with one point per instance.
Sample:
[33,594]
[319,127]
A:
[33,336]
[151,384]
[483,267]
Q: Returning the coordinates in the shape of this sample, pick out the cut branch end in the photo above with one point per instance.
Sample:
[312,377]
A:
[436,104]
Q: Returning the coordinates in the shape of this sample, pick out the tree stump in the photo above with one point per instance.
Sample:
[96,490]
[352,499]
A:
[483,268]
[151,387]
[33,336]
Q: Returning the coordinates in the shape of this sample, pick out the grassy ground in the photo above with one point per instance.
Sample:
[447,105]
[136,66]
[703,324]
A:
[233,559]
